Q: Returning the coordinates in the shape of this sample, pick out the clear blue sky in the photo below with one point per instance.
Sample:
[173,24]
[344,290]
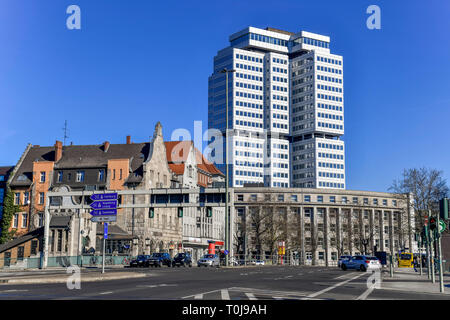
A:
[137,62]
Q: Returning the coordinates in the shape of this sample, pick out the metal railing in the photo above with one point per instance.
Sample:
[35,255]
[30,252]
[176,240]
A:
[65,261]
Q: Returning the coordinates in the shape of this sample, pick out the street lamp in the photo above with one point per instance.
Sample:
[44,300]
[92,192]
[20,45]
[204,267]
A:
[227,229]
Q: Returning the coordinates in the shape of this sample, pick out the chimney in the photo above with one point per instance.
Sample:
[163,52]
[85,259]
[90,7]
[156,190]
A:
[128,139]
[106,146]
[58,150]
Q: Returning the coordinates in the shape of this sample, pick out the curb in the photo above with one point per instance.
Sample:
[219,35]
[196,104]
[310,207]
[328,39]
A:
[65,278]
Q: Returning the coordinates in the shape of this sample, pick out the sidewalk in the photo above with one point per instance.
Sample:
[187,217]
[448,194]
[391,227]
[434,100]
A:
[60,276]
[406,279]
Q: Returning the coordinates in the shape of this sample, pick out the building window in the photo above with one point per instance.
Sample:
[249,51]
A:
[59,248]
[20,253]
[384,202]
[394,203]
[366,200]
[307,198]
[114,174]
[319,198]
[42,179]
[375,202]
[69,176]
[253,197]
[40,219]
[344,199]
[60,176]
[16,220]
[17,198]
[294,198]
[101,175]
[120,174]
[334,256]
[41,197]
[240,197]
[26,197]
[321,255]
[34,245]
[24,220]
[355,200]
[281,197]
[80,176]
[332,199]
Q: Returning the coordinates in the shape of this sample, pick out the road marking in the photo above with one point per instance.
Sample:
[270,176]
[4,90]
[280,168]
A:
[224,294]
[198,296]
[365,294]
[250,296]
[13,290]
[312,295]
[278,298]
[107,292]
[345,276]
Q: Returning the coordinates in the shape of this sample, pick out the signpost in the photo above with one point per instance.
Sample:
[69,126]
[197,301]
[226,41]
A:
[105,210]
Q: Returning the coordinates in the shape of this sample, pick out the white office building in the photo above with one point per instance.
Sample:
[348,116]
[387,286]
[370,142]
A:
[286,112]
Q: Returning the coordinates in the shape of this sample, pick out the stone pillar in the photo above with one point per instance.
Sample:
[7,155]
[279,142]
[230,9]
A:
[302,236]
[371,230]
[350,232]
[339,232]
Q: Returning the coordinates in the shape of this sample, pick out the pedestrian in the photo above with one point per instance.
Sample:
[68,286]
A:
[415,263]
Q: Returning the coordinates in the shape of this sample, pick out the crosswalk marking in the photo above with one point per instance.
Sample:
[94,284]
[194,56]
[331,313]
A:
[250,296]
[224,294]
[313,295]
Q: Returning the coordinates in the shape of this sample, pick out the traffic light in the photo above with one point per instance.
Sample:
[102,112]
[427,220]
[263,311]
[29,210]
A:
[180,212]
[151,213]
[432,223]
[443,209]
[209,212]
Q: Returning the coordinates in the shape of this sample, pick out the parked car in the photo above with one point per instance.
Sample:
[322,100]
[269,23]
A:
[258,262]
[362,263]
[210,260]
[342,258]
[159,259]
[140,261]
[182,259]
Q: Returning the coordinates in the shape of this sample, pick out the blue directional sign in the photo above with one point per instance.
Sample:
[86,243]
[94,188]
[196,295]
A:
[107,212]
[226,252]
[104,196]
[105,230]
[108,204]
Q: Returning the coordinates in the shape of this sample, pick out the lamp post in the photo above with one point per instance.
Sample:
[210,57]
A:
[227,227]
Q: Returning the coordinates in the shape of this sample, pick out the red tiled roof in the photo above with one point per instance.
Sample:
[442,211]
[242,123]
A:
[205,165]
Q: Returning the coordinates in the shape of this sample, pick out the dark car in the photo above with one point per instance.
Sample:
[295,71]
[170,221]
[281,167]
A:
[182,259]
[140,261]
[159,259]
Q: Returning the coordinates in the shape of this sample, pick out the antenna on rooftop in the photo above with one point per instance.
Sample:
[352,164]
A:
[65,132]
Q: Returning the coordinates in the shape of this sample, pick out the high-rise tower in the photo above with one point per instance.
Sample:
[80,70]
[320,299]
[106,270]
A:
[286,113]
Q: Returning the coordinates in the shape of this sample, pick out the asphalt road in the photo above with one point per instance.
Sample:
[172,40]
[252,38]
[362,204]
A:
[244,283]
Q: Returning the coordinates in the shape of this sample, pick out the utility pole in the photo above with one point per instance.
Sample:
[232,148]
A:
[65,132]
[433,276]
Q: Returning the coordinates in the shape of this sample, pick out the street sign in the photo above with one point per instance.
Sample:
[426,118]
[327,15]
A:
[104,219]
[104,196]
[442,226]
[105,230]
[106,212]
[108,204]
[225,251]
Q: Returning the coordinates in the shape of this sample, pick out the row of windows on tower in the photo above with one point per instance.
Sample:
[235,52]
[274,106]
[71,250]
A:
[279,116]
[279,125]
[278,88]
[249,164]
[329,88]
[249,105]
[249,124]
[328,60]
[280,79]
[248,173]
[278,60]
[280,107]
[280,70]
[248,95]
[247,67]
[330,146]
[249,86]
[280,175]
[280,146]
[331,185]
[248,154]
[331,165]
[329,116]
[249,114]
[331,175]
[281,98]
[329,79]
[327,97]
[248,144]
[327,69]
[248,58]
[329,107]
[331,156]
[330,125]
[280,184]
[248,76]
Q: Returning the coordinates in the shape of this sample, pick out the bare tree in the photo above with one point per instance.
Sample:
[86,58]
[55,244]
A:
[427,187]
[275,230]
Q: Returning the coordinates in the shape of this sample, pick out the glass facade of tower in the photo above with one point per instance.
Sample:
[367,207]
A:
[285,109]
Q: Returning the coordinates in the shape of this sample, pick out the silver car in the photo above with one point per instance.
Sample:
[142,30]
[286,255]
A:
[209,260]
[362,263]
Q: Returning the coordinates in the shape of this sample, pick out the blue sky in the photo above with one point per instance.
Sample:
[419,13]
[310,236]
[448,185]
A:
[134,63]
